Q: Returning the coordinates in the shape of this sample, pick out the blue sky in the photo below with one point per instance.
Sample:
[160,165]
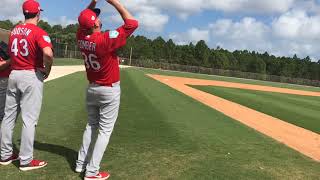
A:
[280,27]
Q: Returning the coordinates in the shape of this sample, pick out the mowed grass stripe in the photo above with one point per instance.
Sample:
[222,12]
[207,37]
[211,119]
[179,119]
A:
[302,111]
[201,143]
[230,79]
[160,134]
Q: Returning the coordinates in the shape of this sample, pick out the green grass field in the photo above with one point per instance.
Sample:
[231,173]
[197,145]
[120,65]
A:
[231,79]
[302,111]
[67,62]
[160,134]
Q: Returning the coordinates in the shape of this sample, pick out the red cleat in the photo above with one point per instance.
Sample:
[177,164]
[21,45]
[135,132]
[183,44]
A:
[14,157]
[34,164]
[100,176]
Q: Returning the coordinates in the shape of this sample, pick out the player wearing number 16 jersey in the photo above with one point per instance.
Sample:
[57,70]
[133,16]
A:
[103,94]
[30,51]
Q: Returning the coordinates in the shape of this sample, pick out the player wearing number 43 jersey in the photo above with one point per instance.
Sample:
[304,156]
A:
[29,50]
[103,94]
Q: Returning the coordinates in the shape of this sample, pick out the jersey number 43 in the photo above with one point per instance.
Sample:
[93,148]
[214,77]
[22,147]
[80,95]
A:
[22,44]
[91,61]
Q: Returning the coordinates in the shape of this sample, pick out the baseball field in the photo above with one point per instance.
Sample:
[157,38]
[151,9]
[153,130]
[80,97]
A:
[164,132]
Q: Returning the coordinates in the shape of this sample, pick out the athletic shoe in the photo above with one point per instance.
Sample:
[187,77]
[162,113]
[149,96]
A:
[79,170]
[14,157]
[100,176]
[34,164]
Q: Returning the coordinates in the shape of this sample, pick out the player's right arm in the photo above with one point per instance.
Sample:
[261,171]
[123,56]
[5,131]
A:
[4,64]
[93,4]
[125,14]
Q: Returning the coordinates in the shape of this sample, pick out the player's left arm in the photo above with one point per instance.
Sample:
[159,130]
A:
[47,60]
[130,23]
[93,4]
[117,38]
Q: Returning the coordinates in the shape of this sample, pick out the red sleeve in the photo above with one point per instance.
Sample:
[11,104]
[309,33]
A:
[43,40]
[117,38]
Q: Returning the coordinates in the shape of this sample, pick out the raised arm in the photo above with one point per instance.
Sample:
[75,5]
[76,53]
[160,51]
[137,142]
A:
[125,14]
[117,38]
[93,4]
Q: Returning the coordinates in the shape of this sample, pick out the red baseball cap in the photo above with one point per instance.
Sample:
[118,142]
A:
[31,6]
[88,17]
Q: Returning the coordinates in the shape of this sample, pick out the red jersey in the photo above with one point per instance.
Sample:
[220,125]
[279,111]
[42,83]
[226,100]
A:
[5,73]
[99,51]
[26,42]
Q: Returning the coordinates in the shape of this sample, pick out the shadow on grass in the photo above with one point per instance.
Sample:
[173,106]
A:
[16,150]
[69,154]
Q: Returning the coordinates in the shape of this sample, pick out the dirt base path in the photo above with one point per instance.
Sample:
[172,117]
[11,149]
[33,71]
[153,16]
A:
[60,71]
[300,139]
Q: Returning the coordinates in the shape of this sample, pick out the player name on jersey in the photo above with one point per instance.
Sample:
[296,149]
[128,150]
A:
[87,45]
[21,31]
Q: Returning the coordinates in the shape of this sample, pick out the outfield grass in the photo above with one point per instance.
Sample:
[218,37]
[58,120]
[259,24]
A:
[302,111]
[160,134]
[230,79]
[67,62]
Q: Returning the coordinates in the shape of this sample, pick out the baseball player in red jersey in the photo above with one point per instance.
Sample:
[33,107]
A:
[31,55]
[103,93]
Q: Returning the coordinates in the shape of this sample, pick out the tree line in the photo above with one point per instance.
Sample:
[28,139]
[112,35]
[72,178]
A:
[198,54]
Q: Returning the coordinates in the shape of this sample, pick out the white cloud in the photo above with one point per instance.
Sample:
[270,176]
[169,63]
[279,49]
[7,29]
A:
[114,18]
[62,20]
[152,21]
[294,32]
[11,9]
[256,6]
[153,14]
[297,32]
[248,33]
[150,17]
[297,25]
[184,8]
[192,35]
